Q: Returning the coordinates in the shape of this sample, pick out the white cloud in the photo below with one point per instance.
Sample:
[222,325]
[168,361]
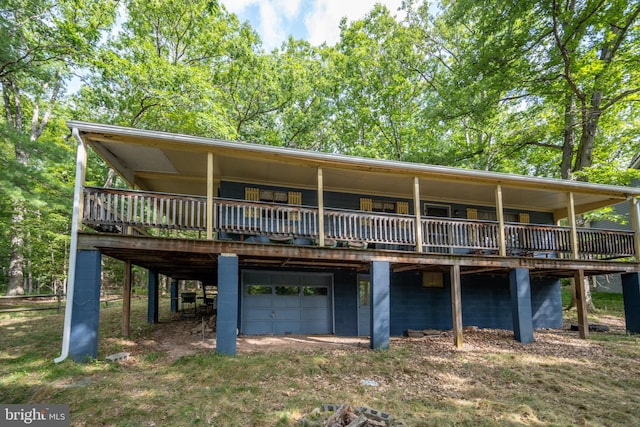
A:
[275,20]
[323,19]
[272,17]
[290,8]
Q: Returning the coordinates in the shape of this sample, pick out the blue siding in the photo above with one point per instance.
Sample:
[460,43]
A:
[546,303]
[415,307]
[235,190]
[345,294]
[486,303]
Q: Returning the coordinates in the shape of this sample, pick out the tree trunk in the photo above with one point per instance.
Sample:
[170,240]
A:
[568,136]
[16,261]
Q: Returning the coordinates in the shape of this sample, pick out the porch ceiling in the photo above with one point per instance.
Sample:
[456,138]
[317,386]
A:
[172,163]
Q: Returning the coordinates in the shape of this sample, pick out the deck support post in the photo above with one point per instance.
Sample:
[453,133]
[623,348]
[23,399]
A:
[174,295]
[380,305]
[320,208]
[456,305]
[417,212]
[227,318]
[571,216]
[581,304]
[210,210]
[153,295]
[126,299]
[520,286]
[631,296]
[85,320]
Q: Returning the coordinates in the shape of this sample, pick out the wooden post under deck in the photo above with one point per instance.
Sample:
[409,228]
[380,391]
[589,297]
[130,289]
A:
[456,305]
[126,299]
[581,304]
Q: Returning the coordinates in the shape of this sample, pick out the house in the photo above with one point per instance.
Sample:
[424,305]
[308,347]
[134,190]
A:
[613,282]
[301,242]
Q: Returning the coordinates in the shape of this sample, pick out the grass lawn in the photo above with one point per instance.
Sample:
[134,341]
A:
[493,380]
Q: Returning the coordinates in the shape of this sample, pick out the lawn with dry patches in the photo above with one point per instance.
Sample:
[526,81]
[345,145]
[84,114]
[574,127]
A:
[492,380]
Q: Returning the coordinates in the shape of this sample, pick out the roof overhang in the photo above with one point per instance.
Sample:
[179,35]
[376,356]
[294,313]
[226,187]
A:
[177,163]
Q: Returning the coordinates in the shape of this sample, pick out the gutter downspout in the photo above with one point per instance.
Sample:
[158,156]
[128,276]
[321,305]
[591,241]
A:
[81,160]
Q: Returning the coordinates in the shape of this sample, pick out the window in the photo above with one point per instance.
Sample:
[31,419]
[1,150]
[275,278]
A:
[432,279]
[287,290]
[486,215]
[390,206]
[440,211]
[364,289]
[315,291]
[263,195]
[258,290]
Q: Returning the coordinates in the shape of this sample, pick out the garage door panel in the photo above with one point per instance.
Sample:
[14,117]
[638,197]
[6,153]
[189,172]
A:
[258,328]
[315,327]
[315,314]
[287,327]
[258,301]
[315,302]
[286,301]
[259,314]
[287,314]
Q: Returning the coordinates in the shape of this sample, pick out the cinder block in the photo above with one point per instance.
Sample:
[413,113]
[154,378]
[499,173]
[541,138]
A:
[123,355]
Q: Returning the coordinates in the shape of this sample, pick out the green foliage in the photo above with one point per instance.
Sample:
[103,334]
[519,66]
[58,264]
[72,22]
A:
[45,188]
[537,88]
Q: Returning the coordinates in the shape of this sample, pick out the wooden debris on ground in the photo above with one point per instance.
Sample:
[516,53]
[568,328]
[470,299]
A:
[419,333]
[209,326]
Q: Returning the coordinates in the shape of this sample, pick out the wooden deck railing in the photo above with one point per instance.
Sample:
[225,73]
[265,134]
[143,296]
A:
[241,217]
[121,211]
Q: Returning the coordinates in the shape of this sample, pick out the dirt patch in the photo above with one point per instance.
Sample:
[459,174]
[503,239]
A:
[179,338]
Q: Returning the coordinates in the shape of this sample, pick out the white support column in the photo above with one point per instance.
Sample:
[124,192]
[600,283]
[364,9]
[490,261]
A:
[502,246]
[76,224]
[571,216]
[635,221]
[416,209]
[210,221]
[320,208]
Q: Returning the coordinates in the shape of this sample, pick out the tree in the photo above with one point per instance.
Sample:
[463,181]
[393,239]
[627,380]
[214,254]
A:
[162,70]
[40,43]
[379,98]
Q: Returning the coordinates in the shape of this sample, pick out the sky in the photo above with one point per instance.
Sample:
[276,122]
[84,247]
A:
[316,21]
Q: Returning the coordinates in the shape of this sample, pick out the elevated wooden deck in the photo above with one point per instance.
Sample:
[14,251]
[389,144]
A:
[168,232]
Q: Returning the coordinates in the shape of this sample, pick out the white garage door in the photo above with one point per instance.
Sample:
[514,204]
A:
[286,303]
